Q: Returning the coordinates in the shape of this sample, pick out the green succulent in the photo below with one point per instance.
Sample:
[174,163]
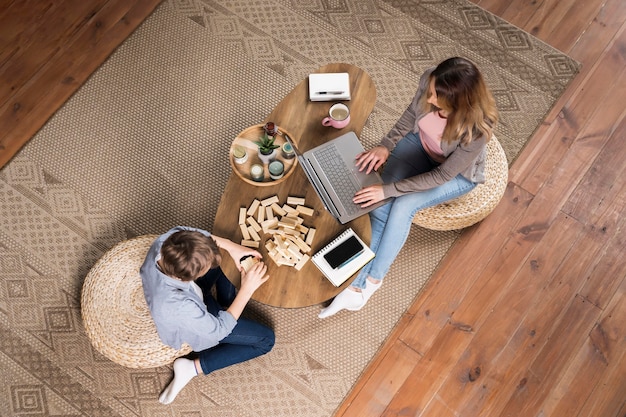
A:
[266,144]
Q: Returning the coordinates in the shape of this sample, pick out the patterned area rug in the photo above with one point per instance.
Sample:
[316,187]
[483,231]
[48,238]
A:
[142,147]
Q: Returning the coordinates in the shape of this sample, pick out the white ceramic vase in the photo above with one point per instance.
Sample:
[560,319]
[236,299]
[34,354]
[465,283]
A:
[266,159]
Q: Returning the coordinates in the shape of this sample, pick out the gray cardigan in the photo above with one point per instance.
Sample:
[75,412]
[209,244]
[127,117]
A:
[467,160]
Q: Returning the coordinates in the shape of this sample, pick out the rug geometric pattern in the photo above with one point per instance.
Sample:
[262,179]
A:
[141,148]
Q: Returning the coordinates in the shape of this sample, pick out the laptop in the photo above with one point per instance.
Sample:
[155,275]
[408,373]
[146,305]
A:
[332,171]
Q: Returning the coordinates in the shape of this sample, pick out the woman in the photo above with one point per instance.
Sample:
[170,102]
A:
[434,153]
[179,274]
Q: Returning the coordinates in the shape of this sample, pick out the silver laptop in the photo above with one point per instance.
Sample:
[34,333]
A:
[331,170]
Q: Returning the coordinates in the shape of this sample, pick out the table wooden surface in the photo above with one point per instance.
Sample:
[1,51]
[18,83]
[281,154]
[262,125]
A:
[288,287]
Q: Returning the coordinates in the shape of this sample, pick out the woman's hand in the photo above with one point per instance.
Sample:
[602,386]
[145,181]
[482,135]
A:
[372,159]
[367,196]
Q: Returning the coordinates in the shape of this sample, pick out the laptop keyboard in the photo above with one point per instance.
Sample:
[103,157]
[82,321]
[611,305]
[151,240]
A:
[339,175]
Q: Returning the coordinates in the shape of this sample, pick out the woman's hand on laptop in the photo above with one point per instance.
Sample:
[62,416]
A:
[372,159]
[367,196]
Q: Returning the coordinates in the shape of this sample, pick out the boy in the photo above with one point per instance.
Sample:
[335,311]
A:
[178,274]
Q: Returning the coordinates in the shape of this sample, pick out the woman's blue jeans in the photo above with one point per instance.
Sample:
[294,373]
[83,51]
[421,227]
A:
[391,223]
[248,339]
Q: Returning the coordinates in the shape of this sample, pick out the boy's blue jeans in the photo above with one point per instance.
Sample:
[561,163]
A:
[391,223]
[248,339]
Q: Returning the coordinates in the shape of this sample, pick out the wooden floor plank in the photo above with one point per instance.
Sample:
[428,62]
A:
[62,76]
[602,184]
[438,361]
[447,289]
[463,392]
[429,373]
[555,355]
[563,33]
[600,353]
[47,40]
[607,275]
[579,119]
[368,380]
[373,399]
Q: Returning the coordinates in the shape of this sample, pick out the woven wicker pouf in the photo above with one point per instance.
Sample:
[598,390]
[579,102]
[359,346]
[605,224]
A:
[115,313]
[475,205]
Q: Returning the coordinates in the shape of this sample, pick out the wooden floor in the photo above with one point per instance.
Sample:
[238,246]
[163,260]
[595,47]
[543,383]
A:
[526,315]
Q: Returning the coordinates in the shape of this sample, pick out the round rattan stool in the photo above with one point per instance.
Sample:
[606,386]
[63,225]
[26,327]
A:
[475,205]
[115,313]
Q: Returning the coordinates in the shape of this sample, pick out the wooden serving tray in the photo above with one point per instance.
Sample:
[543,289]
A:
[246,139]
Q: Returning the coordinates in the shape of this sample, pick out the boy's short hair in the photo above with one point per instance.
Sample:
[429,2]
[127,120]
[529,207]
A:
[185,254]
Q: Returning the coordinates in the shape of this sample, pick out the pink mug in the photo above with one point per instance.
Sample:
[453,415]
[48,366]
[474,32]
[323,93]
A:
[338,116]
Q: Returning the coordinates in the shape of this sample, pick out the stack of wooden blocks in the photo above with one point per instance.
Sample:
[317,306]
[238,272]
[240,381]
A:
[290,242]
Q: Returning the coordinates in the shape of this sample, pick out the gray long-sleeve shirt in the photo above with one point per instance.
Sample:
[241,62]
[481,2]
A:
[177,309]
[465,159]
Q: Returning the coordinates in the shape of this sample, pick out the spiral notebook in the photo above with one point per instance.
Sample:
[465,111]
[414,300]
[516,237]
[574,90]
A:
[342,257]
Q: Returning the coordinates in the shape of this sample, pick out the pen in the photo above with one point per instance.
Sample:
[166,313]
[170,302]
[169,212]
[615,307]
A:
[334,93]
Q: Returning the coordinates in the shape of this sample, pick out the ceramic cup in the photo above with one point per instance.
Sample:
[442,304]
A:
[277,170]
[240,155]
[256,172]
[338,116]
[288,152]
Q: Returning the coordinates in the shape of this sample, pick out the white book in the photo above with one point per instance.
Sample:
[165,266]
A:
[329,86]
[347,253]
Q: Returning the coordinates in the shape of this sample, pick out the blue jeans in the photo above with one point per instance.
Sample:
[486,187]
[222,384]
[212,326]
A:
[391,223]
[248,339]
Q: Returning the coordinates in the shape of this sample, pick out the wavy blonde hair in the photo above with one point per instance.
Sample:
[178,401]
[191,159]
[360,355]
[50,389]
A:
[462,92]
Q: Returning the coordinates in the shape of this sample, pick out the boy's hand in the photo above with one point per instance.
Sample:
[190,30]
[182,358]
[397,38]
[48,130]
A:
[254,278]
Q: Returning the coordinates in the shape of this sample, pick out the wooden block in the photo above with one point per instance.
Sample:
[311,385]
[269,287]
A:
[294,250]
[254,224]
[287,222]
[288,231]
[270,245]
[285,262]
[295,201]
[309,236]
[253,234]
[249,263]
[242,215]
[261,215]
[269,201]
[269,224]
[244,232]
[302,244]
[302,229]
[288,209]
[307,211]
[278,210]
[294,216]
[302,262]
[250,243]
[253,207]
[269,213]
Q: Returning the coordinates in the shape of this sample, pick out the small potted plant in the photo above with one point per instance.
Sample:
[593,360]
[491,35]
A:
[267,148]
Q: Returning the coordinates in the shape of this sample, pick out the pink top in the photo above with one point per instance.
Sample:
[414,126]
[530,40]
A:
[431,129]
